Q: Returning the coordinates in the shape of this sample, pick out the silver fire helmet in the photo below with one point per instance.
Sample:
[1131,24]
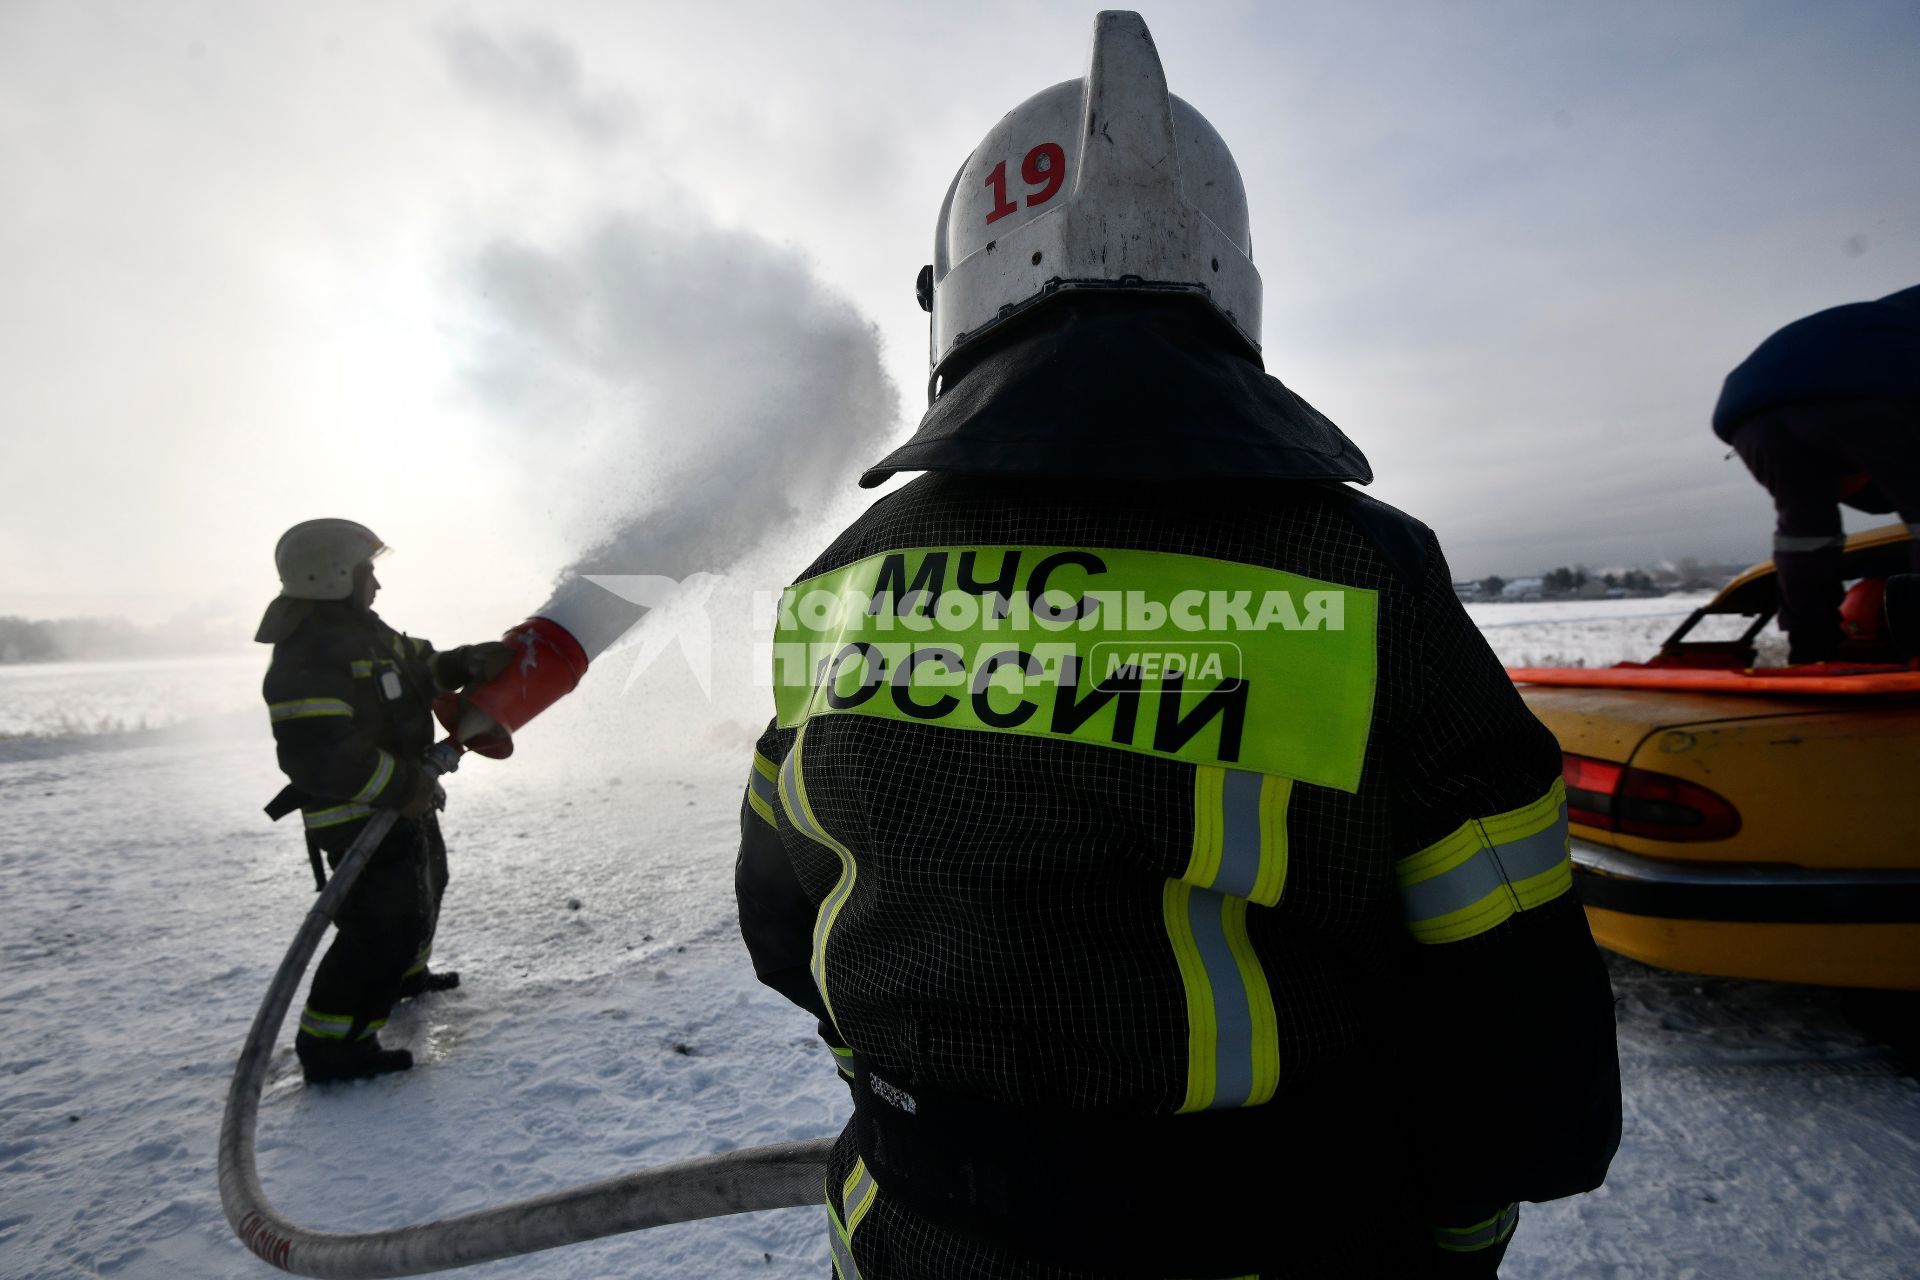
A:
[1107,182]
[317,558]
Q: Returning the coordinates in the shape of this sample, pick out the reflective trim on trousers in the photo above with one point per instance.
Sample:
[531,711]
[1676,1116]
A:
[333,1026]
[420,961]
[1478,876]
[799,810]
[1481,1235]
[1233,1039]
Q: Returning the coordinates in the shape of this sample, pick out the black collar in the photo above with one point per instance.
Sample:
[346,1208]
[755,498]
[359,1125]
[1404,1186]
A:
[1112,387]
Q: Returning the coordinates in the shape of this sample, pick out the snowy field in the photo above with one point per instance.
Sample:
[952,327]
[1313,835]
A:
[609,1020]
[1599,633]
[73,699]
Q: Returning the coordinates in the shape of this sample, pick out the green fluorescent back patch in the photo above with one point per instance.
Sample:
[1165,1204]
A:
[1207,661]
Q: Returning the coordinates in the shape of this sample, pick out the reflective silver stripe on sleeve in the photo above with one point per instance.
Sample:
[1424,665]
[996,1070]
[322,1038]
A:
[763,787]
[333,817]
[308,708]
[1818,542]
[382,775]
[1481,874]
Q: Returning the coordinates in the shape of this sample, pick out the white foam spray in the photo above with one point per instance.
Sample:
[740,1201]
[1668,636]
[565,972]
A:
[689,392]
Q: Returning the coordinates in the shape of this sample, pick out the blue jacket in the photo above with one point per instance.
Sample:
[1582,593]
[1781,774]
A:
[1860,351]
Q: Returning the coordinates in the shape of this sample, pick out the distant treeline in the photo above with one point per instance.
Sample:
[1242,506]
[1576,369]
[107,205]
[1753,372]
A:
[81,639]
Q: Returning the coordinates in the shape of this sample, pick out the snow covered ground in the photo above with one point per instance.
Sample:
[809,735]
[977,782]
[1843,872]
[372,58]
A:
[1599,633]
[610,1022]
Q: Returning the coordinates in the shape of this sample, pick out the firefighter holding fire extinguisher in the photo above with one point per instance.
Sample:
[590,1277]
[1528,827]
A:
[350,701]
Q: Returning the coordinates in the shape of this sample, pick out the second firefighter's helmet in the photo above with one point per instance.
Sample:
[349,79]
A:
[317,558]
[1107,182]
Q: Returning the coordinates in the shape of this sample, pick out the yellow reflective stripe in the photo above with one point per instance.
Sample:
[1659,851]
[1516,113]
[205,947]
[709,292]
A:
[765,767]
[1505,828]
[840,1241]
[334,1026]
[1264,1029]
[382,775]
[1461,844]
[1275,794]
[1201,1029]
[1233,1034]
[308,708]
[799,811]
[763,788]
[318,818]
[1481,1235]
[842,1060]
[1204,865]
[420,960]
[1545,887]
[362,668]
[858,1195]
[1477,876]
[1239,833]
[325,1026]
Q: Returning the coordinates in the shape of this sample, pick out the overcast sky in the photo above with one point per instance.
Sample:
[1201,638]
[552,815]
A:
[260,262]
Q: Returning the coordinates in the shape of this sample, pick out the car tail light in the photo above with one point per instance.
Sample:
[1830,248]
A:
[1640,802]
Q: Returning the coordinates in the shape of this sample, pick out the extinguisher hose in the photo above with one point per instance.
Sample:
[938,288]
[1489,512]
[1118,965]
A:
[781,1176]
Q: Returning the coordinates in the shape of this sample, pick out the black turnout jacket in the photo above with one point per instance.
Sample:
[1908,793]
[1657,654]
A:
[351,704]
[1122,983]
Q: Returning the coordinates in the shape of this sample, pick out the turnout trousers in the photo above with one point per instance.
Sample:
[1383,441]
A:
[384,932]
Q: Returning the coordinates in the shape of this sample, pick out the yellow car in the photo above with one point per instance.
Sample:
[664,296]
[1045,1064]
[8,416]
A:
[1747,833]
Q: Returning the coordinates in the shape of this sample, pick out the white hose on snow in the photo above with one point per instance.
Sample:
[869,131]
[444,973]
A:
[782,1176]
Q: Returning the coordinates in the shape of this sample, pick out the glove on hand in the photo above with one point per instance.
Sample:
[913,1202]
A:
[426,795]
[473,663]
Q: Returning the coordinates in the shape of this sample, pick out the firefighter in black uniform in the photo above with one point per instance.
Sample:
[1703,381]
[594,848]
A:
[1176,877]
[1827,411]
[351,703]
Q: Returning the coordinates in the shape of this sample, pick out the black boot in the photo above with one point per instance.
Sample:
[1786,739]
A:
[328,1061]
[427,980]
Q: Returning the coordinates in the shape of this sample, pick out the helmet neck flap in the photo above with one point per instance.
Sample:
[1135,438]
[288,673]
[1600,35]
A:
[1118,386]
